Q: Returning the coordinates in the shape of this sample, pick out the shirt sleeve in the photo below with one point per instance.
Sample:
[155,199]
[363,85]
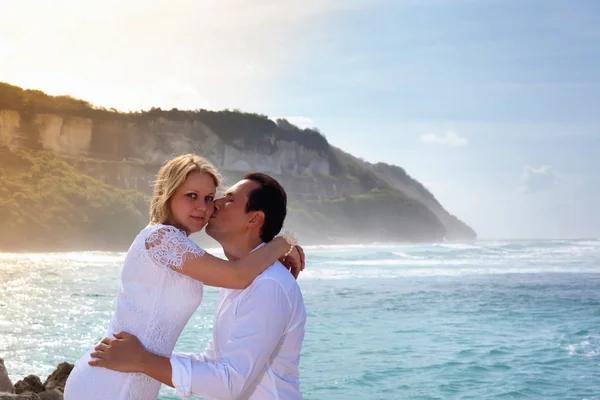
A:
[169,247]
[182,368]
[260,321]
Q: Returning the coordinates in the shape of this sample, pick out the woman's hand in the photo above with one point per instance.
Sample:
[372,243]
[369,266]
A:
[294,262]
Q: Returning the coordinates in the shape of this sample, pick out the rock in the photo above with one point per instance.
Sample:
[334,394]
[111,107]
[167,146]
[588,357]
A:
[30,383]
[22,396]
[58,378]
[54,394]
[5,383]
[31,388]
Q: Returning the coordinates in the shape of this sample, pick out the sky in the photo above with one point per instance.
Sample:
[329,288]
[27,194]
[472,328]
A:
[492,104]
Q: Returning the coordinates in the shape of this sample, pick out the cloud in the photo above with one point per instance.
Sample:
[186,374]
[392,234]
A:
[537,179]
[449,138]
[300,121]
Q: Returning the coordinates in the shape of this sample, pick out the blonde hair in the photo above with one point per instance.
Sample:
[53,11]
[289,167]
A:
[170,177]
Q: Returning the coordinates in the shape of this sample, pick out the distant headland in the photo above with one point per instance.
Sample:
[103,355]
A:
[78,177]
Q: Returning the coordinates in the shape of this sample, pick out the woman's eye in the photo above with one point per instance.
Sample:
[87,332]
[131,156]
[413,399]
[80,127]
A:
[192,195]
[209,198]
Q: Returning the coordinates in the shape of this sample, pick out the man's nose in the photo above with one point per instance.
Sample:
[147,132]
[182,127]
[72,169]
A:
[219,202]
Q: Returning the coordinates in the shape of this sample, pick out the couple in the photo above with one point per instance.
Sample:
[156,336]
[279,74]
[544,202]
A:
[259,323]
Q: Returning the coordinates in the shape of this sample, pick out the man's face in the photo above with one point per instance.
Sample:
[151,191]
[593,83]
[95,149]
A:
[230,217]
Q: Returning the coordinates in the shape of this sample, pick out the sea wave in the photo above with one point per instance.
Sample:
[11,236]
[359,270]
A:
[416,320]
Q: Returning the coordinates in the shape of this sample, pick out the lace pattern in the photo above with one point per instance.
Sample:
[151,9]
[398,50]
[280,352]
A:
[169,246]
[154,303]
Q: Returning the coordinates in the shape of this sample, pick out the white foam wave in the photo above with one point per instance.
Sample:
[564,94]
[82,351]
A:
[406,255]
[389,273]
[400,262]
[347,247]
[588,347]
[457,246]
[593,243]
[86,256]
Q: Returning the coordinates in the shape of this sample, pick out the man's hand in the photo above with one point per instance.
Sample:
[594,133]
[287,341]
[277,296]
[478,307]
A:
[295,261]
[124,353]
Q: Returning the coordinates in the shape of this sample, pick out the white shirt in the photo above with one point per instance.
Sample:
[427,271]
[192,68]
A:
[255,349]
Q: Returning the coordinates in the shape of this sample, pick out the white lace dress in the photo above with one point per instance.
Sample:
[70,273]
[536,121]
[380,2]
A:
[154,303]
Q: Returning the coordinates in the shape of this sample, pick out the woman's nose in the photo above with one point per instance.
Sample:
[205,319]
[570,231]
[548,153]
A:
[201,205]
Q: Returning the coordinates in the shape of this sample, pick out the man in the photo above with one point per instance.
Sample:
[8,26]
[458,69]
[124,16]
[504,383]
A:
[258,332]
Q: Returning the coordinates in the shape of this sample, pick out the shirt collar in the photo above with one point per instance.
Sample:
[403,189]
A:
[258,247]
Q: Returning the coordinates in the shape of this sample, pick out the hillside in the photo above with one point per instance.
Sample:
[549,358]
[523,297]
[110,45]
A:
[46,204]
[333,195]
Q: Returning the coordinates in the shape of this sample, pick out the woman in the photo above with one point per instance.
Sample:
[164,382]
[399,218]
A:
[163,277]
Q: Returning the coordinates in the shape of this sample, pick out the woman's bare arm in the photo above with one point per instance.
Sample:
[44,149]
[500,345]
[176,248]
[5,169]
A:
[239,274]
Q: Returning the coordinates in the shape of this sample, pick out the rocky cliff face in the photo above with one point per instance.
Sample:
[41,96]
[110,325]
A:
[153,142]
[128,154]
[10,125]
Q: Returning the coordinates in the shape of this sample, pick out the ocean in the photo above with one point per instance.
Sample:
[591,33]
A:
[478,320]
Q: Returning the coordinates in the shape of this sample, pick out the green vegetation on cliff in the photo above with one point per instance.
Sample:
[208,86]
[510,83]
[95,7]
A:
[47,205]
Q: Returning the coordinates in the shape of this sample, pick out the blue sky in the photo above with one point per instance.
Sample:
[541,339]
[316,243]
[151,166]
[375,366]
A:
[491,104]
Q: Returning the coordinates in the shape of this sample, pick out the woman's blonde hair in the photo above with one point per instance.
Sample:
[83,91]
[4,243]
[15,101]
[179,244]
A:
[170,177]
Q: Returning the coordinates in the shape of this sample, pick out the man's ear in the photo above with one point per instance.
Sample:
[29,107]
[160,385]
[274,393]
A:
[257,219]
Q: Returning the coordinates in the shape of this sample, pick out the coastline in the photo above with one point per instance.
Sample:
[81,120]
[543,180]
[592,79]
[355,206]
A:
[50,249]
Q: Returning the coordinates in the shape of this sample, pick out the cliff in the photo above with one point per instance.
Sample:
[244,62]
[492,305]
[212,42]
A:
[124,151]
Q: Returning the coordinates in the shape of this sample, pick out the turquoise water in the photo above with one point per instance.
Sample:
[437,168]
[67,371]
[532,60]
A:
[484,320]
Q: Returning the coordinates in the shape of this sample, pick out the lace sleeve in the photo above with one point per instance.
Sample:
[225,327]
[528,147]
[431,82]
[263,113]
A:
[170,247]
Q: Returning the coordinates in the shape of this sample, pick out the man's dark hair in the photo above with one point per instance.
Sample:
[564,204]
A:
[271,199]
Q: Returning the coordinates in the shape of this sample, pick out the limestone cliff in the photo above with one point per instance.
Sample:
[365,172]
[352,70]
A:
[126,149]
[10,125]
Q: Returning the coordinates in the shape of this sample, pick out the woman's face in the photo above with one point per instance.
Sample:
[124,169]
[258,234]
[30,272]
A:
[192,204]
